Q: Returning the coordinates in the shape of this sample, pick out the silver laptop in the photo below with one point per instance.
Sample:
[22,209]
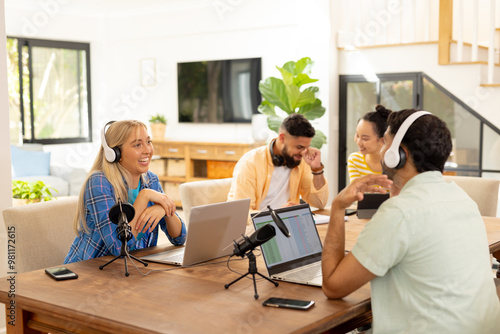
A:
[212,228]
[296,259]
[369,205]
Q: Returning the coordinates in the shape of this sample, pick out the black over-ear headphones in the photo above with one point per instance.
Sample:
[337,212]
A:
[278,160]
[395,156]
[112,154]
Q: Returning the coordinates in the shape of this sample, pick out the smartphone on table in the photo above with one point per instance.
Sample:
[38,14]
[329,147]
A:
[61,273]
[288,303]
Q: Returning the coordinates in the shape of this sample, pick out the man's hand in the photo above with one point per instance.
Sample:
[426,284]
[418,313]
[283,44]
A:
[313,157]
[354,192]
[289,204]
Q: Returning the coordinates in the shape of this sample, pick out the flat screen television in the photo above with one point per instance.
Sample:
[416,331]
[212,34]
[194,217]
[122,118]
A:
[219,91]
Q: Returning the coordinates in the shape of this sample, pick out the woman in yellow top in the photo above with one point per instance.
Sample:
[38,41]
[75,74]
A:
[370,138]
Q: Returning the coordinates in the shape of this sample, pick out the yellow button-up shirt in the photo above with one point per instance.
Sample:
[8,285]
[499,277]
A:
[252,177]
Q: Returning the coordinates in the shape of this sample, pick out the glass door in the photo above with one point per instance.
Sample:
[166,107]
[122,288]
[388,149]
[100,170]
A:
[358,95]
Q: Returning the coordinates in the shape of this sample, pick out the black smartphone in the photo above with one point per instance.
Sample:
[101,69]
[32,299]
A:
[289,303]
[61,273]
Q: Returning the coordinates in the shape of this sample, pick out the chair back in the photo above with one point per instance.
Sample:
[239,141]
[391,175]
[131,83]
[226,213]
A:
[483,191]
[44,232]
[203,192]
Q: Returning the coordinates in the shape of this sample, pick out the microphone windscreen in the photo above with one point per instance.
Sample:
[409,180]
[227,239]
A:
[263,234]
[127,208]
[279,222]
[257,238]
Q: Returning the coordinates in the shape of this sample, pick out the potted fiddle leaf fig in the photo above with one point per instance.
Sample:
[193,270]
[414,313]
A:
[25,192]
[289,95]
[158,125]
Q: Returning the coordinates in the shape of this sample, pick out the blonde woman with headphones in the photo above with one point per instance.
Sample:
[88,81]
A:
[121,174]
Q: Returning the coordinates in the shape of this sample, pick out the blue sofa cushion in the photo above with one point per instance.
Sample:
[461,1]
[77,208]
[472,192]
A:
[29,163]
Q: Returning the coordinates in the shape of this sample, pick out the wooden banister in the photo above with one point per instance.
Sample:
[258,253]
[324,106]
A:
[445,30]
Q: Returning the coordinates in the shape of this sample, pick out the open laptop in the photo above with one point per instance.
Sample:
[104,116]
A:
[370,203]
[212,228]
[296,259]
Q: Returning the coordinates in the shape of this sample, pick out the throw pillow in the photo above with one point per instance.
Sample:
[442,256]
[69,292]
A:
[29,163]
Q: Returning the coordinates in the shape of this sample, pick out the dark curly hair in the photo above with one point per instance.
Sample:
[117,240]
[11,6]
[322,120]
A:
[428,140]
[378,118]
[297,125]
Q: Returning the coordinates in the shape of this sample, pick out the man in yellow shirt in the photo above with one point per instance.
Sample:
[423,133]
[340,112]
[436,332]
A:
[280,173]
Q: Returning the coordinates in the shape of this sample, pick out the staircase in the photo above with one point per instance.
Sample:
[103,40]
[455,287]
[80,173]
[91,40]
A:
[482,49]
[440,43]
[420,22]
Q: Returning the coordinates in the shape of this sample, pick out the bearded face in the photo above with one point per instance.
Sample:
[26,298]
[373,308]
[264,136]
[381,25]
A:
[291,161]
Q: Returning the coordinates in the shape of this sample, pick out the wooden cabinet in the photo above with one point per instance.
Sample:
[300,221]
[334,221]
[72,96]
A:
[178,162]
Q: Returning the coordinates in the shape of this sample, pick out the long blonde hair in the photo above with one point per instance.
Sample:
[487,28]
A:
[116,135]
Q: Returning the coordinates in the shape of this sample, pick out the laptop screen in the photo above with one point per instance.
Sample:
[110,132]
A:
[303,246]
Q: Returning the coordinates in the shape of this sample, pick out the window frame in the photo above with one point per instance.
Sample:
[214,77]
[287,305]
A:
[30,43]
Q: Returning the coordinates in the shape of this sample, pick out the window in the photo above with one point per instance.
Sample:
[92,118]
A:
[49,91]
[476,142]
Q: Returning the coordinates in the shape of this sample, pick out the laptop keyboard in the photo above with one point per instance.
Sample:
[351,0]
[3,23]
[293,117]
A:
[178,257]
[172,256]
[306,273]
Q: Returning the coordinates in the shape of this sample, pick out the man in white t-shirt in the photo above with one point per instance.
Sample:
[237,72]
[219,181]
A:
[425,251]
[283,172]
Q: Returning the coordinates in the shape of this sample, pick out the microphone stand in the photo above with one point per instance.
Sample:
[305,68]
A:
[252,270]
[124,235]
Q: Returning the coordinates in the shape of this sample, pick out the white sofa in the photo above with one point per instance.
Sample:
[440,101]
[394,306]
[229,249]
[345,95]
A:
[30,158]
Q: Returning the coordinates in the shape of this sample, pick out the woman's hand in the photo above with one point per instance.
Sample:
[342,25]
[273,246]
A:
[149,218]
[166,202]
[164,207]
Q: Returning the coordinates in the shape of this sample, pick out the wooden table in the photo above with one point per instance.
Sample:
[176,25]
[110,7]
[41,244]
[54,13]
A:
[188,300]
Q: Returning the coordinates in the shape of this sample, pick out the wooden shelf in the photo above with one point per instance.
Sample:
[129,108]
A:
[179,162]
[172,179]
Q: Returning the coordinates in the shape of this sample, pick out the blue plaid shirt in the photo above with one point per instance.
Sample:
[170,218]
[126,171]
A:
[102,238]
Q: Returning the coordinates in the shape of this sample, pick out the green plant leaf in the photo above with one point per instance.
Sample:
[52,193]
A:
[313,111]
[313,89]
[285,93]
[31,190]
[274,91]
[303,65]
[287,76]
[305,98]
[266,108]
[289,67]
[302,79]
[293,98]
[158,119]
[319,139]
[274,123]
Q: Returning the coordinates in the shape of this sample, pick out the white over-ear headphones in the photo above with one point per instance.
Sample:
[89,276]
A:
[395,156]
[112,154]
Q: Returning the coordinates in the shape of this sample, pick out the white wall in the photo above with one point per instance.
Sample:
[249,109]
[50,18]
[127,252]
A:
[171,32]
